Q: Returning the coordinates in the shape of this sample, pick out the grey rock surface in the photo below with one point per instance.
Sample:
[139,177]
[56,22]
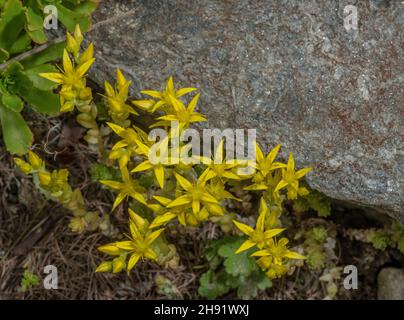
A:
[288,68]
[390,284]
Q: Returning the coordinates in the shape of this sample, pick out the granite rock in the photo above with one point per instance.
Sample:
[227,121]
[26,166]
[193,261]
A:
[288,68]
[390,284]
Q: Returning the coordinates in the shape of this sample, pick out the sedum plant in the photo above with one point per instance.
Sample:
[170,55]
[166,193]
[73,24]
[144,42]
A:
[160,190]
[55,186]
[21,30]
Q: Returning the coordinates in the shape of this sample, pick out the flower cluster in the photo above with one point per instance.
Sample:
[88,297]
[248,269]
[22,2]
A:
[273,254]
[55,186]
[160,176]
[74,91]
[188,193]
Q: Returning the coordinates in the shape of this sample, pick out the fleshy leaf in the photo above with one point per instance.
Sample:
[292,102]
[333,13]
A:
[16,134]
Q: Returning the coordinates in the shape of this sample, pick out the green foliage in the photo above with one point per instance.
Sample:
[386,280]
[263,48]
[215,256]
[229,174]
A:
[314,245]
[165,287]
[21,28]
[228,270]
[99,171]
[29,280]
[388,237]
[316,201]
[380,239]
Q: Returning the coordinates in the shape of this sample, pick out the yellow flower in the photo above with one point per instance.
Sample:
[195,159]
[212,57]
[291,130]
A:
[128,146]
[156,164]
[195,194]
[162,97]
[273,255]
[264,166]
[181,114]
[259,235]
[126,188]
[139,245]
[221,167]
[290,180]
[116,98]
[165,215]
[34,164]
[72,79]
[70,75]
[74,41]
[218,190]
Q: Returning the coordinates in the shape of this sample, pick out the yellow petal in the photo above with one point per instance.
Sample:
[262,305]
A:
[179,201]
[146,165]
[120,79]
[163,219]
[196,206]
[112,184]
[274,152]
[53,76]
[272,233]
[208,198]
[291,163]
[110,249]
[184,91]
[133,260]
[82,69]
[150,254]
[159,173]
[192,104]
[125,245]
[152,93]
[245,246]
[184,183]
[105,266]
[294,255]
[244,228]
[67,63]
[282,184]
[153,236]
[302,172]
[87,54]
[121,196]
[261,253]
[164,201]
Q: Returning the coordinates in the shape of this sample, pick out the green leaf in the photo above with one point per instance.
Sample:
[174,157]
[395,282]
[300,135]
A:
[99,171]
[50,54]
[212,286]
[248,287]
[41,100]
[4,55]
[86,7]
[34,26]
[21,44]
[16,134]
[12,101]
[237,264]
[70,18]
[38,81]
[11,23]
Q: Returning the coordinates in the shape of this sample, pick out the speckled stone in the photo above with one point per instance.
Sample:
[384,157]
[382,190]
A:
[287,68]
[390,284]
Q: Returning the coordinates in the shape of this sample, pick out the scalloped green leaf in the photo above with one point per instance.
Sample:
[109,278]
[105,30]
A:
[34,26]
